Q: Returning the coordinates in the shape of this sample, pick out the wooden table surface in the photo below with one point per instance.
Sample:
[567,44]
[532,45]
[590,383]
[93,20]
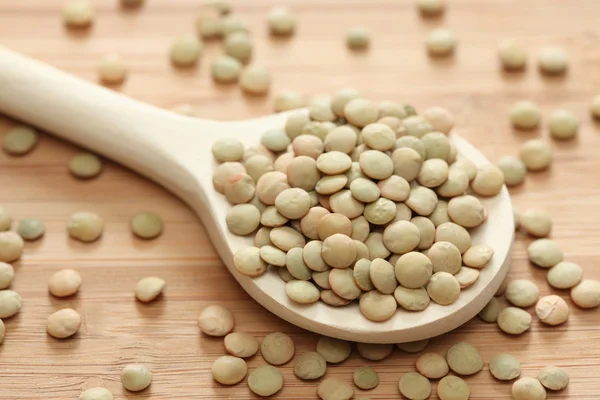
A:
[164,335]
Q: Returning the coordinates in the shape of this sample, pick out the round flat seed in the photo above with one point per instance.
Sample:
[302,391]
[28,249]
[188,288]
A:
[585,295]
[528,389]
[466,166]
[334,162]
[414,386]
[296,266]
[31,229]
[453,388]
[456,184]
[136,377]
[333,223]
[272,255]
[380,212]
[413,347]
[554,378]
[241,345]
[65,282]
[341,138]
[383,276]
[443,288]
[434,172]
[331,184]
[223,172]
[312,256]
[376,247]
[536,222]
[293,203]
[407,162]
[413,270]
[488,180]
[505,367]
[7,274]
[373,351]
[432,366]
[364,190]
[342,283]
[339,251]
[360,112]
[63,323]
[536,154]
[401,237]
[466,211]
[412,299]
[334,389]
[464,359]
[552,310]
[525,114]
[215,320]
[20,140]
[277,348]
[513,169]
[286,238]
[265,381]
[229,370]
[146,225]
[545,253]
[310,366]
[426,232]
[344,203]
[310,222]
[333,350]
[466,277]
[329,297]
[377,307]
[362,275]
[321,278]
[422,200]
[522,293]
[365,378]
[491,311]
[564,275]
[85,165]
[249,262]
[376,164]
[514,321]
[478,256]
[85,226]
[512,55]
[96,393]
[10,303]
[302,292]
[445,257]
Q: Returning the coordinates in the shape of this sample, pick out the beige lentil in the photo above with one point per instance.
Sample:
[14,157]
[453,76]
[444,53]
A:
[455,234]
[552,310]
[242,219]
[522,293]
[63,323]
[208,24]
[443,288]
[414,386]
[215,320]
[513,169]
[64,283]
[78,14]
[553,60]
[31,229]
[564,275]
[357,38]
[422,200]
[229,370]
[334,389]
[322,279]
[401,237]
[185,51]
[284,274]
[255,80]
[333,350]
[394,188]
[453,388]
[112,69]
[7,274]
[241,345]
[466,166]
[302,292]
[525,114]
[412,299]
[10,303]
[528,389]
[380,212]
[478,256]
[466,211]
[85,226]
[505,367]
[426,232]
[373,351]
[310,366]
[365,378]
[431,8]
[491,311]
[382,276]
[412,142]
[231,24]
[413,347]
[223,172]
[272,218]
[377,307]
[512,54]
[5,220]
[312,256]
[432,366]
[563,125]
[265,380]
[536,222]
[464,359]
[441,42]
[536,154]
[361,112]
[342,283]
[466,277]
[440,214]
[445,257]
[488,181]
[287,100]
[554,378]
[226,69]
[407,163]
[148,225]
[585,295]
[456,184]
[136,377]
[514,321]
[332,299]
[545,253]
[96,393]
[277,348]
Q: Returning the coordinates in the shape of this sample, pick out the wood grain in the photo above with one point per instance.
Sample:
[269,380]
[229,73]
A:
[117,330]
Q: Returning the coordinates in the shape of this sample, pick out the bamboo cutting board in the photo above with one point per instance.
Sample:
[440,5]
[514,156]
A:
[164,335]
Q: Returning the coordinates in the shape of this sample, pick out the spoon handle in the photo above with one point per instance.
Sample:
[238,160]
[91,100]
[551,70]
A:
[143,137]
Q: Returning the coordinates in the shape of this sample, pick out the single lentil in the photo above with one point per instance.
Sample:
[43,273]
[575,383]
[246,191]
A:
[229,370]
[585,295]
[554,378]
[277,348]
[514,321]
[265,380]
[10,303]
[464,359]
[63,323]
[505,367]
[255,80]
[240,344]
[563,125]
[545,253]
[552,310]
[528,389]
[536,155]
[310,366]
[334,389]
[136,377]
[414,386]
[185,51]
[31,229]
[432,366]
[215,320]
[20,140]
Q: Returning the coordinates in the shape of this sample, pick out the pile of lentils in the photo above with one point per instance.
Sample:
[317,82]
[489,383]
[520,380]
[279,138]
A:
[357,200]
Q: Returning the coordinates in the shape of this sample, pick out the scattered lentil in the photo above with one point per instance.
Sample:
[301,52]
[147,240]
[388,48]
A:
[10,303]
[20,140]
[226,69]
[545,253]
[377,307]
[464,359]
[358,38]
[78,14]
[64,283]
[522,293]
[31,229]
[563,125]
[525,114]
[63,323]
[453,388]
[441,42]
[432,366]
[112,69]
[185,51]
[513,169]
[277,348]
[554,378]
[310,366]
[414,386]
[255,80]
[413,347]
[565,275]
[585,295]
[488,181]
[553,60]
[7,274]
[229,370]
[215,320]
[136,377]
[552,310]
[334,389]
[491,311]
[536,154]
[147,225]
[373,351]
[11,246]
[512,54]
[505,367]
[265,380]
[85,226]
[528,389]
[514,321]
[365,378]
[96,393]
[536,222]
[241,344]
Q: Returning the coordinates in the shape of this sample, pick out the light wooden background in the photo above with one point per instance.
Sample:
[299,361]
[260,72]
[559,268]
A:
[164,335]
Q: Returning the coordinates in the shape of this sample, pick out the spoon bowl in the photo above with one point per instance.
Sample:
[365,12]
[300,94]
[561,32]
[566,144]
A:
[175,151]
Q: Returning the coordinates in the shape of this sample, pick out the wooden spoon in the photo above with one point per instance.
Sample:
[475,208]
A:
[175,151]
